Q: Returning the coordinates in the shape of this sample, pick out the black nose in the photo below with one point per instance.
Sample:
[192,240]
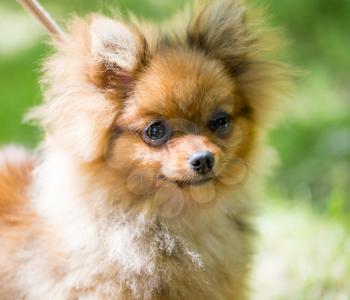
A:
[202,162]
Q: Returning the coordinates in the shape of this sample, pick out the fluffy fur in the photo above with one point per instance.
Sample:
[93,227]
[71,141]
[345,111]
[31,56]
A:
[100,213]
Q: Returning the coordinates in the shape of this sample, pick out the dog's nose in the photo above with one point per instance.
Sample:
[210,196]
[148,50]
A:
[202,162]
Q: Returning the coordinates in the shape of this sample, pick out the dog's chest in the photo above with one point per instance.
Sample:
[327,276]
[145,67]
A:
[159,264]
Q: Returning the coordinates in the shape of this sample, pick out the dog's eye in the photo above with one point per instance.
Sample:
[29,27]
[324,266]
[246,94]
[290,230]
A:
[157,133]
[221,123]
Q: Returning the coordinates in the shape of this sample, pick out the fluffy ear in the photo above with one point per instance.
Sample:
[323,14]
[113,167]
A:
[119,52]
[242,42]
[220,30]
[97,52]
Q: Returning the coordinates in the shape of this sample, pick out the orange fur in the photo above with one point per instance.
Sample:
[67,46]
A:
[16,166]
[111,215]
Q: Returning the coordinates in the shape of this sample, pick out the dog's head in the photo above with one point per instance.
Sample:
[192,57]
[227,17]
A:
[155,116]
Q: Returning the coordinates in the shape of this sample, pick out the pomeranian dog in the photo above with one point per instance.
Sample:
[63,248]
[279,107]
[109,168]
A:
[154,147]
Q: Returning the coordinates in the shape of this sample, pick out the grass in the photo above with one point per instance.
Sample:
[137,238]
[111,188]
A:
[301,255]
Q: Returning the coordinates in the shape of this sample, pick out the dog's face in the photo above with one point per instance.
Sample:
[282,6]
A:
[159,116]
[183,123]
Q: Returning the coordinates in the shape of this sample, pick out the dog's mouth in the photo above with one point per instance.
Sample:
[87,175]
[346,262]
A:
[193,182]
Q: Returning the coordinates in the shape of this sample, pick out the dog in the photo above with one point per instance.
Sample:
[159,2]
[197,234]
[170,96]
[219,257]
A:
[153,156]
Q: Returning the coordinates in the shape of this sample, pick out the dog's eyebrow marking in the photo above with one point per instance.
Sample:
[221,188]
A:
[116,132]
[246,112]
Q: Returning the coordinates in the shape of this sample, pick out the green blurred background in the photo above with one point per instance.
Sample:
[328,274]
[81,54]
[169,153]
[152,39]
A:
[304,249]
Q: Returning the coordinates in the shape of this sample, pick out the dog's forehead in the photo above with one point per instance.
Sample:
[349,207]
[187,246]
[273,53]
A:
[183,84]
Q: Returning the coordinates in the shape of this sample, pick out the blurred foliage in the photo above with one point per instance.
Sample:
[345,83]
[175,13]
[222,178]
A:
[313,144]
[319,30]
[19,91]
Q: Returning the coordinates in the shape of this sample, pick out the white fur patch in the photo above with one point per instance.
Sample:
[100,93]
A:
[114,43]
[59,200]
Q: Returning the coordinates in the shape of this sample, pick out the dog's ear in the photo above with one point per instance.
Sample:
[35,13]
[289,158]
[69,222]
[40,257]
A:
[247,47]
[119,52]
[220,31]
[92,69]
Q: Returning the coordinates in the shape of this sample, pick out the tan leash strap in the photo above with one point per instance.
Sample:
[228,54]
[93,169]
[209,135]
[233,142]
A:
[34,8]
